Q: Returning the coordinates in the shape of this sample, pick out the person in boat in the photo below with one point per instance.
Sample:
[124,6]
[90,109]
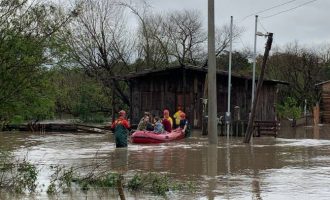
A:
[167,121]
[184,124]
[120,127]
[159,127]
[145,124]
[176,117]
[146,114]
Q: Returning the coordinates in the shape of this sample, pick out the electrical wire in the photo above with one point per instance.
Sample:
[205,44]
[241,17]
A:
[240,39]
[293,8]
[262,26]
[267,9]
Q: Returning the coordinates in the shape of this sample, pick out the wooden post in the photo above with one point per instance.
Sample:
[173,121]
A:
[204,104]
[249,129]
[113,101]
[131,100]
[316,114]
[184,90]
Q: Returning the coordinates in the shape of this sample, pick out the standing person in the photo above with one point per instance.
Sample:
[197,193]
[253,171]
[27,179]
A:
[120,127]
[177,117]
[184,124]
[167,121]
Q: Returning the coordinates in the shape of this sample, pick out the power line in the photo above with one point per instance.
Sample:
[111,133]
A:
[262,26]
[308,2]
[267,9]
[244,46]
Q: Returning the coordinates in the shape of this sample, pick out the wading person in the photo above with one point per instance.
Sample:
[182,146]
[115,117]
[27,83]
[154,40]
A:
[184,124]
[120,128]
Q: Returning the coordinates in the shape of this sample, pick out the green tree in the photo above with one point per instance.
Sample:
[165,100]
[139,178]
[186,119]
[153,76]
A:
[240,62]
[27,32]
[80,95]
[301,67]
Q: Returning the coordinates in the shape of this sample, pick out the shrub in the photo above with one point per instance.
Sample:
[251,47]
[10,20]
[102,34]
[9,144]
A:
[289,109]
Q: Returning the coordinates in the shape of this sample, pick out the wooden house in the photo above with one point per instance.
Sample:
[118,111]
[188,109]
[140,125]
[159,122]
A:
[156,90]
[324,89]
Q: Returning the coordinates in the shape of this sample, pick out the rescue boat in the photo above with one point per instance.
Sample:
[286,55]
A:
[151,137]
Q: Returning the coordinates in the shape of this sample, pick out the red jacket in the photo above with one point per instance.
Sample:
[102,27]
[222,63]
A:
[167,125]
[121,121]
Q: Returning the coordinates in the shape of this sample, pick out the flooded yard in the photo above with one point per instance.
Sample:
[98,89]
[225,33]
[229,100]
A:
[296,165]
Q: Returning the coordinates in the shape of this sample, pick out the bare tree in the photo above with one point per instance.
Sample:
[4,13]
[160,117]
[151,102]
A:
[176,37]
[222,40]
[152,45]
[324,52]
[223,37]
[187,36]
[158,43]
[100,43]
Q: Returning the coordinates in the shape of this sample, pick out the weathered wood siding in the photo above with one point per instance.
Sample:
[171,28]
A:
[325,102]
[166,90]
[266,103]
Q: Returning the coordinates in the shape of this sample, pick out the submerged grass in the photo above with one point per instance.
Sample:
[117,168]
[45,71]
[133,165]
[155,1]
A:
[156,183]
[19,177]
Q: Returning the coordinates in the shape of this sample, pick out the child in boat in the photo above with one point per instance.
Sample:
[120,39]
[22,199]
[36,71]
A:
[167,121]
[159,128]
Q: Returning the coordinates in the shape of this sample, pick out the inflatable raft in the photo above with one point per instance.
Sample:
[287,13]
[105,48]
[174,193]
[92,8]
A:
[151,137]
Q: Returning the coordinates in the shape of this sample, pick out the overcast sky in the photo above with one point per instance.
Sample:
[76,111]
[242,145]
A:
[308,24]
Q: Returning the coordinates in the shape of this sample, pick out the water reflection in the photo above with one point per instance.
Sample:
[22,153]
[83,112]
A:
[316,132]
[212,169]
[256,189]
[228,166]
[275,168]
[212,160]
[228,156]
[321,131]
[119,159]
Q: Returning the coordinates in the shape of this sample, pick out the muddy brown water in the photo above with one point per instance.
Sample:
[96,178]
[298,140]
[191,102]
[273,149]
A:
[296,165]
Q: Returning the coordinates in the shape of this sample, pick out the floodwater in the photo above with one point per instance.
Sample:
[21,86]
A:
[295,165]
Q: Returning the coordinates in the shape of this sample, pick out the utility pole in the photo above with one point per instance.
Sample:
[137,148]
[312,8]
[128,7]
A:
[229,76]
[249,129]
[254,61]
[212,78]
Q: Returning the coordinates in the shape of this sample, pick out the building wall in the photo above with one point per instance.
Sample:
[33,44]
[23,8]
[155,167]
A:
[267,103]
[326,87]
[156,92]
[325,103]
